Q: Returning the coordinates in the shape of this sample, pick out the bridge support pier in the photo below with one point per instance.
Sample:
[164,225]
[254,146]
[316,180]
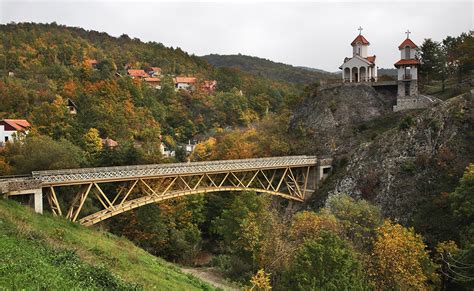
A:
[37,198]
[323,169]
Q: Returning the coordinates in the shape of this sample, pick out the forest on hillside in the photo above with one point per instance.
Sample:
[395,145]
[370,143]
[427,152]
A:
[268,69]
[336,243]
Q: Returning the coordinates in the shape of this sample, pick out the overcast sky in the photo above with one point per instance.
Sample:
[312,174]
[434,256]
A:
[313,34]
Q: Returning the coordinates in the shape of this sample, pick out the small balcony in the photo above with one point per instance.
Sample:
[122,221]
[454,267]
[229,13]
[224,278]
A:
[407,77]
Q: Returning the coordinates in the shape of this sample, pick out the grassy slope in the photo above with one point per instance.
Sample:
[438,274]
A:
[43,251]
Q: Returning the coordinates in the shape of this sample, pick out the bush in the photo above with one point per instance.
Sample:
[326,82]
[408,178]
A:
[326,263]
[406,123]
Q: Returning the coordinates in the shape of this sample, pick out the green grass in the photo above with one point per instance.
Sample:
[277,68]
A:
[41,251]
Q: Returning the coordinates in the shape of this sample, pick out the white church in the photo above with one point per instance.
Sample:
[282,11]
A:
[360,67]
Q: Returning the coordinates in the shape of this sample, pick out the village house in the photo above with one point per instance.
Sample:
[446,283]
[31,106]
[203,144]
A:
[184,83]
[154,72]
[11,129]
[190,147]
[109,143]
[360,67]
[137,73]
[166,152]
[71,107]
[209,86]
[154,82]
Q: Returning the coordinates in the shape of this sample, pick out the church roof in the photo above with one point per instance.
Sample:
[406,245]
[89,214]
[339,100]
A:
[360,38]
[371,59]
[407,42]
[407,62]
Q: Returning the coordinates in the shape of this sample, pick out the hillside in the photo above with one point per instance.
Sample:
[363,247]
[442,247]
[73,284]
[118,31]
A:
[44,252]
[48,65]
[409,169]
[268,69]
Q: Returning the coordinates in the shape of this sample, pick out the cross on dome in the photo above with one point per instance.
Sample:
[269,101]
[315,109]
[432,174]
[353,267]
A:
[408,33]
[360,30]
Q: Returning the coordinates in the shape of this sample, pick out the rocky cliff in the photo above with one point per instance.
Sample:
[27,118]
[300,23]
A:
[410,164]
[336,120]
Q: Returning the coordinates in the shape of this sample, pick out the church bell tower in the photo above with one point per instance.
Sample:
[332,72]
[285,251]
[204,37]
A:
[407,66]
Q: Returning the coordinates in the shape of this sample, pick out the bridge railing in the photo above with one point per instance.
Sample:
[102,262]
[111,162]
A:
[174,168]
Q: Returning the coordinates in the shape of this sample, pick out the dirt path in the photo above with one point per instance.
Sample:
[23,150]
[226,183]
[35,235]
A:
[212,277]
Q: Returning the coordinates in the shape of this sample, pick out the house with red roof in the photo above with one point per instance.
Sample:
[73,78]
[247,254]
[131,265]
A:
[110,143]
[154,72]
[184,83]
[360,67]
[11,129]
[135,74]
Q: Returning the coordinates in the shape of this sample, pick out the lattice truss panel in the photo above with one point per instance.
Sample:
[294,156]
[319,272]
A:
[109,198]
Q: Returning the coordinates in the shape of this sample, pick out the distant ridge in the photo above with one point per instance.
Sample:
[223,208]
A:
[269,69]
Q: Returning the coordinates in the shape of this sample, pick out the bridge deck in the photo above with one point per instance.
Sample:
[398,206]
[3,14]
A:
[70,176]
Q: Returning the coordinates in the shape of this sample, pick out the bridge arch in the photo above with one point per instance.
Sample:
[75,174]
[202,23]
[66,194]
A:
[130,187]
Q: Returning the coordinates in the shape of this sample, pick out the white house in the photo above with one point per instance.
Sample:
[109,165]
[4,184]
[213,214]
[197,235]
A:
[184,83]
[190,147]
[13,128]
[360,67]
[165,152]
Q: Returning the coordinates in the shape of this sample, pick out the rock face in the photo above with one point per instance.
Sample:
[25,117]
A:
[421,157]
[330,116]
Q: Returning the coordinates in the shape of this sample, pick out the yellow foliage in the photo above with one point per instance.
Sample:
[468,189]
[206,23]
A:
[260,281]
[400,260]
[308,225]
[204,150]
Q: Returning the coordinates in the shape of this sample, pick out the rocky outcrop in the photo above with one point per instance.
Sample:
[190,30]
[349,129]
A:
[423,155]
[331,116]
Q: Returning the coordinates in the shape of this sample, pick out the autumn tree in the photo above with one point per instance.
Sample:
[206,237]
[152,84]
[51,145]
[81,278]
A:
[92,143]
[400,259]
[308,225]
[358,219]
[260,281]
[325,263]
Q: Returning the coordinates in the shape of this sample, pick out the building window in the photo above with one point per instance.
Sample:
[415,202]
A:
[407,89]
[407,52]
[6,138]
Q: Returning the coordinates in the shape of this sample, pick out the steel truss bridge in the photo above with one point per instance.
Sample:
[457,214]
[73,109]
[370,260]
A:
[114,190]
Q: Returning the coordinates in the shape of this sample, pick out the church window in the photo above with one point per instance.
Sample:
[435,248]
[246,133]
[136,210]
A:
[407,52]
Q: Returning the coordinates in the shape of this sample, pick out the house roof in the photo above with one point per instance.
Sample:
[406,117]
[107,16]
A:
[360,38]
[407,62]
[152,79]
[155,69]
[137,73]
[18,124]
[371,59]
[71,103]
[365,60]
[109,142]
[407,42]
[184,79]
